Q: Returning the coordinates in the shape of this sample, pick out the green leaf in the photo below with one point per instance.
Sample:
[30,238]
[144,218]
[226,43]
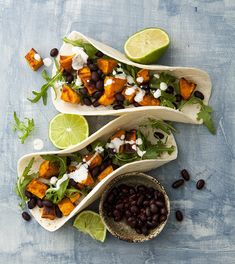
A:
[61,160]
[54,195]
[167,78]
[159,124]
[154,151]
[130,70]
[124,158]
[76,156]
[23,127]
[70,192]
[45,75]
[43,92]
[88,48]
[98,143]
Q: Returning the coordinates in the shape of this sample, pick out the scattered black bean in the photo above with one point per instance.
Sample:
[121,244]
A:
[170,90]
[179,216]
[99,72]
[73,183]
[58,213]
[118,106]
[95,171]
[158,135]
[184,173]
[28,194]
[177,183]
[199,95]
[83,91]
[100,85]
[200,184]
[119,97]
[89,61]
[87,101]
[136,104]
[39,203]
[69,78]
[95,76]
[26,216]
[54,52]
[93,67]
[32,203]
[178,98]
[145,87]
[97,94]
[96,103]
[47,203]
[99,54]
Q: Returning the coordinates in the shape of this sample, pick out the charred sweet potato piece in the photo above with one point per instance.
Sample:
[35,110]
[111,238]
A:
[85,76]
[186,88]
[149,100]
[130,142]
[144,74]
[131,135]
[129,97]
[48,212]
[113,85]
[106,65]
[75,198]
[105,172]
[119,134]
[88,181]
[48,169]
[104,100]
[71,168]
[33,63]
[37,188]
[95,160]
[66,62]
[69,95]
[66,206]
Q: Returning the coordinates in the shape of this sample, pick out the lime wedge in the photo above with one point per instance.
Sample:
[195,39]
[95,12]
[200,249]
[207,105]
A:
[147,46]
[66,130]
[90,223]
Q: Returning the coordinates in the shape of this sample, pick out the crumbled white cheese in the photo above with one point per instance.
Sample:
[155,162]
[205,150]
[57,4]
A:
[53,180]
[38,144]
[37,57]
[140,79]
[99,149]
[80,174]
[130,79]
[47,62]
[134,147]
[139,141]
[156,75]
[140,153]
[115,144]
[129,91]
[108,82]
[78,81]
[157,93]
[139,96]
[114,72]
[163,86]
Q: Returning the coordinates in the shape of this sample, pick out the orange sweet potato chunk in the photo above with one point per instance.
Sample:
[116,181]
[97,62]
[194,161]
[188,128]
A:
[149,100]
[129,98]
[113,85]
[104,100]
[186,88]
[105,173]
[85,76]
[75,198]
[69,95]
[48,169]
[37,188]
[144,74]
[66,62]
[66,206]
[48,212]
[106,65]
[95,161]
[88,181]
[32,62]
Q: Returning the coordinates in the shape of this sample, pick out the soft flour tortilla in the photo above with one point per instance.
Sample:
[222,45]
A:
[187,115]
[125,122]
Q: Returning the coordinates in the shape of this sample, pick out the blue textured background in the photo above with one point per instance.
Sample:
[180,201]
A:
[202,35]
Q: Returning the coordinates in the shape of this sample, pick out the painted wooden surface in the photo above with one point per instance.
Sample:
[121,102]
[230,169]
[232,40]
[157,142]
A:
[202,35]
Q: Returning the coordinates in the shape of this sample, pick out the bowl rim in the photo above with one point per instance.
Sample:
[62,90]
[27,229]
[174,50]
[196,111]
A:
[157,230]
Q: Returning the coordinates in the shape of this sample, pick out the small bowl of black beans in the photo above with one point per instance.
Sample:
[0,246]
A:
[134,207]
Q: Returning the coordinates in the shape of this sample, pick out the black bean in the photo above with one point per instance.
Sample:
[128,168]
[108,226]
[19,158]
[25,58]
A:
[145,86]
[115,191]
[100,85]
[177,183]
[133,224]
[58,213]
[99,54]
[54,52]
[156,194]
[159,204]
[95,76]
[73,183]
[66,73]
[146,203]
[119,206]
[116,213]
[99,72]
[134,209]
[110,198]
[200,184]
[118,106]
[145,230]
[133,202]
[155,217]
[158,135]
[89,148]
[47,203]
[163,211]
[184,173]
[141,188]
[117,218]
[138,230]
[162,218]
[170,90]
[136,104]
[132,190]
[69,78]
[148,211]
[96,103]
[150,224]
[97,94]
[87,101]
[39,203]
[119,97]
[127,213]
[178,98]
[32,203]
[199,95]
[143,218]
[28,194]
[95,171]
[26,216]
[89,61]
[93,67]
[179,216]
[140,200]
[133,197]
[153,208]
[83,91]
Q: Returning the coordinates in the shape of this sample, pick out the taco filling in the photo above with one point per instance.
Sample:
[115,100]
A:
[62,181]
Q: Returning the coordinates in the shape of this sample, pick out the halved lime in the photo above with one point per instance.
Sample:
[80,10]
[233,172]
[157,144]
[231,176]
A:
[90,223]
[147,46]
[66,130]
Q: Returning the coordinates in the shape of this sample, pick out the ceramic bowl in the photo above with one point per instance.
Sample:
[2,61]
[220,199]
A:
[120,229]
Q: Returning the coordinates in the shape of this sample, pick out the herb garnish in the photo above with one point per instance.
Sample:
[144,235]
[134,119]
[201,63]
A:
[24,127]
[54,195]
[130,70]
[159,124]
[61,160]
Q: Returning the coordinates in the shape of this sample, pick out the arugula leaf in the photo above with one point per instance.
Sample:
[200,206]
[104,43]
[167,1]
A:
[159,124]
[43,92]
[24,127]
[167,99]
[130,70]
[154,151]
[23,181]
[204,114]
[45,75]
[88,48]
[124,158]
[76,156]
[167,78]
[60,160]
[70,192]
[54,195]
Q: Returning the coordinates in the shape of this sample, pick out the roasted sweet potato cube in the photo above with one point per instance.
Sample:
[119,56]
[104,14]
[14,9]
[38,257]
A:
[48,212]
[131,135]
[119,134]
[113,85]
[66,206]
[48,169]
[104,100]
[106,65]
[186,88]
[37,188]
[34,62]
[93,160]
[85,76]
[69,95]
[88,181]
[129,97]
[105,173]
[144,74]
[66,62]
[75,198]
[149,100]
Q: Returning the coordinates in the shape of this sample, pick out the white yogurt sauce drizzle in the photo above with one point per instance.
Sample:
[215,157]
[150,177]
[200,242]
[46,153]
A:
[139,96]
[130,90]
